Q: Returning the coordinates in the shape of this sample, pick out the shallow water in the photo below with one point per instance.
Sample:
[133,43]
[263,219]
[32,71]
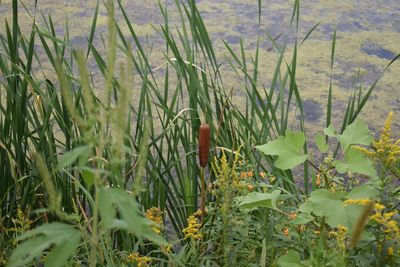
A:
[368,37]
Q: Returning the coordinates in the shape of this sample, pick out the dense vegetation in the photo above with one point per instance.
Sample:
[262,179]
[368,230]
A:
[107,174]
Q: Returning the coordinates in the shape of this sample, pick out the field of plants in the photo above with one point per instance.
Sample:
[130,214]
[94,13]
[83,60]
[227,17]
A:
[146,165]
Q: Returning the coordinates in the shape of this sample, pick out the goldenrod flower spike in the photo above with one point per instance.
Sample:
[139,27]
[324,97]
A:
[154,214]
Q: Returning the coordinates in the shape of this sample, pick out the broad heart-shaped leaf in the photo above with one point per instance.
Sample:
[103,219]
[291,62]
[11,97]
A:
[288,148]
[329,204]
[113,201]
[291,259]
[356,162]
[62,240]
[259,200]
[321,143]
[355,133]
[363,192]
[302,218]
[330,131]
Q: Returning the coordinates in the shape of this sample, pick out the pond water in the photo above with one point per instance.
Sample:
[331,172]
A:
[368,37]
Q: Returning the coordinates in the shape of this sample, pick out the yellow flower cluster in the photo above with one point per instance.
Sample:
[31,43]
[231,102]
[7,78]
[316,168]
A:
[341,237]
[248,174]
[385,149]
[285,231]
[193,228]
[357,202]
[155,214]
[21,223]
[386,220]
[390,252]
[226,174]
[141,261]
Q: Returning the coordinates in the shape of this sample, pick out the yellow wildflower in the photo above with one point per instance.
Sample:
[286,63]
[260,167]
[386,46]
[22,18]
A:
[21,223]
[250,188]
[390,252]
[225,173]
[272,179]
[155,214]
[385,149]
[332,234]
[193,228]
[285,231]
[342,230]
[293,215]
[166,249]
[357,202]
[262,175]
[318,180]
[385,219]
[141,261]
[341,237]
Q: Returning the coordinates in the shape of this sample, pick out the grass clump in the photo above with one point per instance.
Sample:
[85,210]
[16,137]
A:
[108,175]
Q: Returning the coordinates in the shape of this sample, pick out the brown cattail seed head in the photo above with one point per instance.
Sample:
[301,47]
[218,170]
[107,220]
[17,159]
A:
[204,143]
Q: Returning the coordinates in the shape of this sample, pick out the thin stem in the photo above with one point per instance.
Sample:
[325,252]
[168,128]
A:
[203,193]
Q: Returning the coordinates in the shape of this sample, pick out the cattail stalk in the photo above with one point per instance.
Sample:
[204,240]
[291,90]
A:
[204,150]
[204,144]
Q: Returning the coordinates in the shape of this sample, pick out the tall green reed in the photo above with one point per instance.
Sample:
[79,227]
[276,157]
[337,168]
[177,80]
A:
[78,132]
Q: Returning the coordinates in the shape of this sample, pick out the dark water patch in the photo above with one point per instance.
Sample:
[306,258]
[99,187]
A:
[312,110]
[241,29]
[232,39]
[396,24]
[376,50]
[79,42]
[350,27]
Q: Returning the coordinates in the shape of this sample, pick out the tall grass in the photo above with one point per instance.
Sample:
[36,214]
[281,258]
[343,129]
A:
[91,136]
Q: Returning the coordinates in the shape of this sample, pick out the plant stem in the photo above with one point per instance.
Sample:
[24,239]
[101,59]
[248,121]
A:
[203,193]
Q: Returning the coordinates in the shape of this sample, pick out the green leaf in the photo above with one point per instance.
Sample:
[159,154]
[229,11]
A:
[356,162]
[330,131]
[355,133]
[259,200]
[291,259]
[363,192]
[115,201]
[325,203]
[88,176]
[62,240]
[302,218]
[71,156]
[289,150]
[321,143]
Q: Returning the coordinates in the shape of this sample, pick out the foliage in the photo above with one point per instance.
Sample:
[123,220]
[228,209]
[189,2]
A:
[92,176]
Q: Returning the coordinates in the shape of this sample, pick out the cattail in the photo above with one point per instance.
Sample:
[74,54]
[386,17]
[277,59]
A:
[204,144]
[360,225]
